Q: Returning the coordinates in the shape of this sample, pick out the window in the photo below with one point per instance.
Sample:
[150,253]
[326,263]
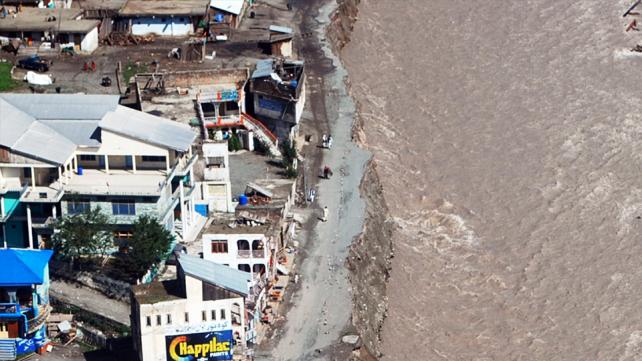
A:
[149,321]
[204,314]
[124,207]
[186,316]
[153,158]
[219,246]
[88,157]
[222,314]
[244,267]
[158,320]
[78,206]
[169,319]
[213,315]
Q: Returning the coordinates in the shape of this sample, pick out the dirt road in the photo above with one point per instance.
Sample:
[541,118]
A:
[322,304]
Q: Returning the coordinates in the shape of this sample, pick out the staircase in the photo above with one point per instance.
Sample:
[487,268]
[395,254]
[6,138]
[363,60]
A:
[178,228]
[264,135]
[8,349]
[201,117]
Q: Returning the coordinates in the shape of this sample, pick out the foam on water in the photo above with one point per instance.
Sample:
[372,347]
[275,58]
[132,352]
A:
[508,138]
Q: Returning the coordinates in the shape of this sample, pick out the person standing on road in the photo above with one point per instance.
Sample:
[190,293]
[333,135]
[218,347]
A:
[326,213]
[329,142]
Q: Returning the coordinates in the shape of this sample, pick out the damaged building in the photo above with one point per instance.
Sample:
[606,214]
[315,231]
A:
[277,94]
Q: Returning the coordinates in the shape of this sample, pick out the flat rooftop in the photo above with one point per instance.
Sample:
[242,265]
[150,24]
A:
[165,7]
[101,4]
[155,292]
[36,19]
[117,182]
[223,227]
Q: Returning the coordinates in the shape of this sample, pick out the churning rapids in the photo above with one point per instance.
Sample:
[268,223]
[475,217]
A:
[508,139]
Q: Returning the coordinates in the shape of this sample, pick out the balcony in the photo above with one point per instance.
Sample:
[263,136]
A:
[51,194]
[258,253]
[11,185]
[246,253]
[117,182]
[9,309]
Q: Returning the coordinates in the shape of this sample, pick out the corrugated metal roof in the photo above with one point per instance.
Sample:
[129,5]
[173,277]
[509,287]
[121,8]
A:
[45,143]
[81,132]
[148,128]
[217,274]
[13,123]
[260,189]
[230,6]
[23,267]
[22,133]
[63,106]
[281,29]
[263,68]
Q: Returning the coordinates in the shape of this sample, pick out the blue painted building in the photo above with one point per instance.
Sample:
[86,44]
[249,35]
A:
[24,301]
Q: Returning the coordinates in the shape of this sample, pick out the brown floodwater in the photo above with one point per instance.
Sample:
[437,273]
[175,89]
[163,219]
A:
[507,136]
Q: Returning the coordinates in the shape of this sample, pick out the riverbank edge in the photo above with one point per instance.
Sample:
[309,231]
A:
[371,253]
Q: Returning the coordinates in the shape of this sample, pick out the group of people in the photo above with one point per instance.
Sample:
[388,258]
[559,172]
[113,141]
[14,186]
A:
[326,141]
[89,66]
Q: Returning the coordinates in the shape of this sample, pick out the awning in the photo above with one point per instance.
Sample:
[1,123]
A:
[23,267]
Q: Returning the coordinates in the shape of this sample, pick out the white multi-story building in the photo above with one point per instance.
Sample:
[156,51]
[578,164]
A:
[206,300]
[216,186]
[243,247]
[64,154]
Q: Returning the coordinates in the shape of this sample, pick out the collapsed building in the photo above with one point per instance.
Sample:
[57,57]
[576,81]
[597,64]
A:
[277,95]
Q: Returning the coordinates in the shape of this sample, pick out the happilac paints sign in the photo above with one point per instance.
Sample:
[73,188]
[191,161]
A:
[204,346]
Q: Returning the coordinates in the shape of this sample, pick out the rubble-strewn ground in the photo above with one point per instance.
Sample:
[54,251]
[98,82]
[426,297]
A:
[319,307]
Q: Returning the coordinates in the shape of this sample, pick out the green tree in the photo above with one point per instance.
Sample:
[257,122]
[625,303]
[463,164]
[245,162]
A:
[234,143]
[288,150]
[87,233]
[150,242]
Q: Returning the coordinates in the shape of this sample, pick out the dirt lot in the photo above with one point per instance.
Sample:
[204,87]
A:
[241,50]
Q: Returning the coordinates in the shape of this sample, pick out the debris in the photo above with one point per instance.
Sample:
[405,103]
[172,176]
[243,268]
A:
[124,39]
[350,339]
[64,326]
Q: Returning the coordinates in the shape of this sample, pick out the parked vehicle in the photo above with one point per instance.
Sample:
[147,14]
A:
[34,63]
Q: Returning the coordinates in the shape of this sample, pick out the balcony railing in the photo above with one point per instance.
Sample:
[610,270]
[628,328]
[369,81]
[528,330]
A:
[244,253]
[258,253]
[9,308]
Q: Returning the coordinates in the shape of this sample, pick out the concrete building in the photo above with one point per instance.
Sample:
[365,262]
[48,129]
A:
[40,28]
[219,95]
[216,186]
[205,299]
[64,154]
[226,15]
[24,302]
[277,95]
[279,43]
[162,17]
[105,11]
[240,244]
